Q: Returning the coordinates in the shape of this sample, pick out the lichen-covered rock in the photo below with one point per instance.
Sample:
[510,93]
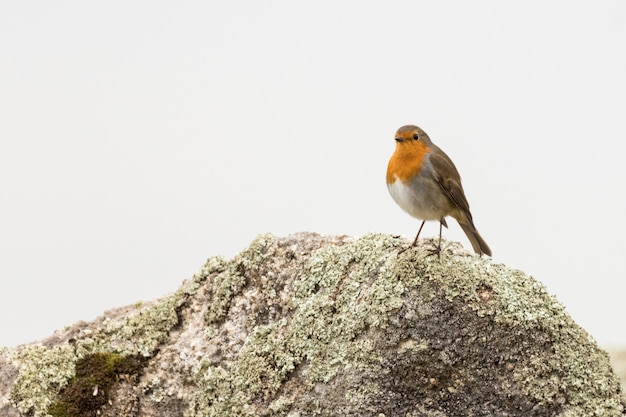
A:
[334,326]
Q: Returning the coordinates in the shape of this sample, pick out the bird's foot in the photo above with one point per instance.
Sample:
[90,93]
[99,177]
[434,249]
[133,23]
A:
[436,251]
[405,249]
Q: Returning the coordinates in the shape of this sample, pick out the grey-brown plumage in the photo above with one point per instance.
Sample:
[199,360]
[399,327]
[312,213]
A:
[424,182]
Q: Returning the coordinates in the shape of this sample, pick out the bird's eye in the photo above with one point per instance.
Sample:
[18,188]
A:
[416,136]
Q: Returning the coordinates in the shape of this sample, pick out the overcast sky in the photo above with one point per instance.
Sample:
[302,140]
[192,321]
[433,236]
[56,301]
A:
[138,138]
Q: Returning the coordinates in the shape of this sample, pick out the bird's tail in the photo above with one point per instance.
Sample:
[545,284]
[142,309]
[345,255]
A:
[478,243]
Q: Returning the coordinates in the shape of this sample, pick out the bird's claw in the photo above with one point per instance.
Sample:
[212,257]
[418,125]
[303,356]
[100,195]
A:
[405,249]
[436,251]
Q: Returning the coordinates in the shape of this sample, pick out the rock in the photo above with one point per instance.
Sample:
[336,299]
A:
[324,325]
[618,361]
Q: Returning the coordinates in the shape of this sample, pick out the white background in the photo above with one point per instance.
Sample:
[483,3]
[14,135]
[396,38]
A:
[138,138]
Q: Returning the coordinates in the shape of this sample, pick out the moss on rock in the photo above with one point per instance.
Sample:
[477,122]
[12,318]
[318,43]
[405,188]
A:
[331,325]
[88,391]
[45,370]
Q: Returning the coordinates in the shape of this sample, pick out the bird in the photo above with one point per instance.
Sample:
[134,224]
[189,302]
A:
[424,182]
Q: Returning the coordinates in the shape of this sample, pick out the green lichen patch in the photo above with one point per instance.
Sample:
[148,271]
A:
[491,289]
[310,324]
[339,291]
[217,395]
[232,276]
[573,361]
[44,371]
[88,391]
[141,332]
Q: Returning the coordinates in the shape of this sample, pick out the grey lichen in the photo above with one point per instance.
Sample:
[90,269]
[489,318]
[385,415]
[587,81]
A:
[42,373]
[229,278]
[338,294]
[343,290]
[518,300]
[310,325]
[44,370]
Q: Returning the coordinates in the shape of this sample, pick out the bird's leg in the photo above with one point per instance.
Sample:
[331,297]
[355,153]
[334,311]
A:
[418,234]
[437,250]
[414,241]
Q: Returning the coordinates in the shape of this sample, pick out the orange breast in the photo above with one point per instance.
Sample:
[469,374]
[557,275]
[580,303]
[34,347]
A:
[407,161]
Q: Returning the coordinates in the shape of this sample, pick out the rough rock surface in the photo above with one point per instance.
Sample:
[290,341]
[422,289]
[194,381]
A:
[323,325]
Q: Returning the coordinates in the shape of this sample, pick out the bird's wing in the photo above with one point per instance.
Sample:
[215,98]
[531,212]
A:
[451,183]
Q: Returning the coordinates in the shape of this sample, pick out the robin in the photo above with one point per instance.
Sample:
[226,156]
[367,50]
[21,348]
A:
[424,182]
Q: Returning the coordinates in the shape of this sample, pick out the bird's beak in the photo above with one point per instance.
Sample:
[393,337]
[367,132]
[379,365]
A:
[399,139]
